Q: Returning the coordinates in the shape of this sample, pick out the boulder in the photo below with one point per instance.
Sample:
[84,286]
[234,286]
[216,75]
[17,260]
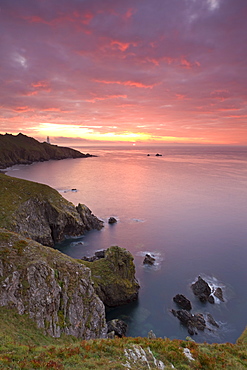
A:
[201,289]
[118,327]
[112,220]
[182,302]
[114,277]
[148,260]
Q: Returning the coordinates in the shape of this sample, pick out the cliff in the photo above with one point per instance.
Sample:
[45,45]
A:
[21,149]
[40,213]
[114,277]
[53,289]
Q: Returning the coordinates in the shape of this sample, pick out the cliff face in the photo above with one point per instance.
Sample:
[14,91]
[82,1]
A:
[40,213]
[21,149]
[114,277]
[55,290]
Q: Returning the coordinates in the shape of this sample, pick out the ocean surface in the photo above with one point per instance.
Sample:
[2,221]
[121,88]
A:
[188,208]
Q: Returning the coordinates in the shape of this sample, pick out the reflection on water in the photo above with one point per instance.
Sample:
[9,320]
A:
[188,208]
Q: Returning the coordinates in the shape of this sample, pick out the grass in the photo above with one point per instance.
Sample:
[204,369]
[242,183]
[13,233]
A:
[23,346]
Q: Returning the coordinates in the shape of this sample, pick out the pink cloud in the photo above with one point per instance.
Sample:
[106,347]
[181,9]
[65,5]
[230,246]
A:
[127,83]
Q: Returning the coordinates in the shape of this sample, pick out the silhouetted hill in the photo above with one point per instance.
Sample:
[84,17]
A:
[22,149]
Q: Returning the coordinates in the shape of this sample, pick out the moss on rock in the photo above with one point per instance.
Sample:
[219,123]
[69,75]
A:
[114,277]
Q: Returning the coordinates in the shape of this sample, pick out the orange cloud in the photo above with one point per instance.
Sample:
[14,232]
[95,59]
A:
[127,83]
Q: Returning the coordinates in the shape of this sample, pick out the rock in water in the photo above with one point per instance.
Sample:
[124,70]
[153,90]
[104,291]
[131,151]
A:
[201,289]
[183,302]
[114,277]
[219,294]
[192,322]
[55,290]
[112,220]
[117,326]
[148,260]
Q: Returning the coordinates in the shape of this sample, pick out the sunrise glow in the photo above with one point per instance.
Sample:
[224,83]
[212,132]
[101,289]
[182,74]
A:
[123,72]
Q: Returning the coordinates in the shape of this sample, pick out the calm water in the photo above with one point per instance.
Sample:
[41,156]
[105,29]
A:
[188,208]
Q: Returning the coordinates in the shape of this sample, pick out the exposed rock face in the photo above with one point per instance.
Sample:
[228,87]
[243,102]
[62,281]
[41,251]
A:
[201,289]
[53,289]
[114,277]
[118,327]
[88,219]
[182,302]
[21,149]
[40,213]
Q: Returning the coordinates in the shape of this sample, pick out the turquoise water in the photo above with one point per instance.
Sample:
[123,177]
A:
[187,207]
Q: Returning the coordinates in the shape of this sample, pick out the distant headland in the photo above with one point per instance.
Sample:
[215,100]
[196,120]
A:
[22,149]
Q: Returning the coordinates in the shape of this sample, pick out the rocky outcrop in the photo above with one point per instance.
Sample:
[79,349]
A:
[40,213]
[112,220]
[205,293]
[54,290]
[148,260]
[182,302]
[21,149]
[196,321]
[114,277]
[201,289]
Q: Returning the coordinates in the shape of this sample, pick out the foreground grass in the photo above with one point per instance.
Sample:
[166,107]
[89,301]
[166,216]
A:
[23,346]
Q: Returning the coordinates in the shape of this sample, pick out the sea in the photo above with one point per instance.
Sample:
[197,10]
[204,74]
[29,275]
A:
[187,207]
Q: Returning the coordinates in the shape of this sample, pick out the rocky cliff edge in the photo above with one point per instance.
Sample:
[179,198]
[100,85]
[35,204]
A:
[40,213]
[53,289]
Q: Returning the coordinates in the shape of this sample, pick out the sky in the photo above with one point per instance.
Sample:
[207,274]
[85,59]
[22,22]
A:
[124,71]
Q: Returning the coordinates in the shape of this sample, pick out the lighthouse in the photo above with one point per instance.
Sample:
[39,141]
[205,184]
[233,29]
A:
[48,140]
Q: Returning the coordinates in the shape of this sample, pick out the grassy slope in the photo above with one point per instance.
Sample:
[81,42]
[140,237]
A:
[23,346]
[14,192]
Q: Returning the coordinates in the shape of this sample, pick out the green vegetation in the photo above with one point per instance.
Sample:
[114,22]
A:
[14,192]
[23,346]
[21,149]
